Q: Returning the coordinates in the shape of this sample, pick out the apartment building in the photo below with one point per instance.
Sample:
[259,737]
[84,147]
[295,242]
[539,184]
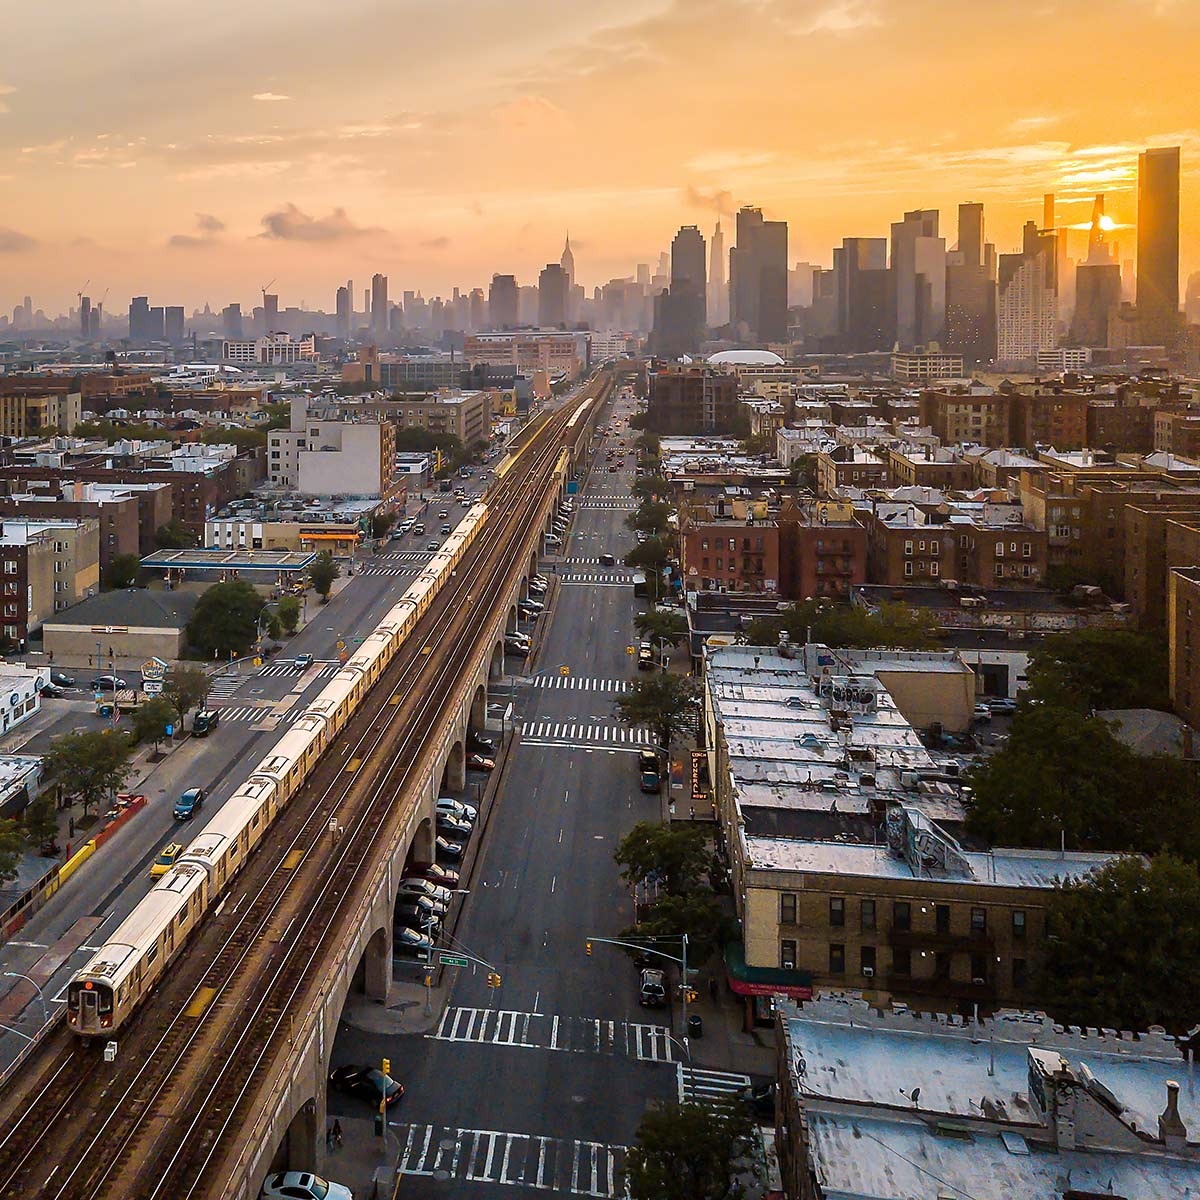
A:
[26,414]
[927,466]
[967,416]
[46,565]
[273,349]
[692,401]
[557,352]
[1054,417]
[840,830]
[843,467]
[925,364]
[116,508]
[822,550]
[321,454]
[730,554]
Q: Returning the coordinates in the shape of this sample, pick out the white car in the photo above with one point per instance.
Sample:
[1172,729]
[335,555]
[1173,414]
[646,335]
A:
[425,887]
[303,1185]
[449,807]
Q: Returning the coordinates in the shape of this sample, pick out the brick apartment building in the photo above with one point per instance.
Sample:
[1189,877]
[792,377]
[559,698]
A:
[928,466]
[45,566]
[966,417]
[822,550]
[692,400]
[849,467]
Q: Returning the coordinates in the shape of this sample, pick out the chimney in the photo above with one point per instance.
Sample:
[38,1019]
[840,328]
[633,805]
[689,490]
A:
[1171,1130]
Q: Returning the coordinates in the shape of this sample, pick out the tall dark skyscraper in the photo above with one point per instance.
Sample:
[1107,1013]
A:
[173,322]
[379,305]
[139,319]
[1158,243]
[971,289]
[345,305]
[1097,287]
[865,298]
[679,311]
[553,285]
[503,302]
[758,277]
[85,316]
[231,322]
[270,313]
[919,270]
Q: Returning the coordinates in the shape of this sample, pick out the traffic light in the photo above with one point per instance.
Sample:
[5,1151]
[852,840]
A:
[588,944]
[691,995]
[493,980]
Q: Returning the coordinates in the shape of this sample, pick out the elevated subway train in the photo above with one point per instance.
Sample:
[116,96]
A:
[101,997]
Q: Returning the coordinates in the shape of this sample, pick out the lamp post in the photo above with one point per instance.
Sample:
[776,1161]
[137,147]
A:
[36,988]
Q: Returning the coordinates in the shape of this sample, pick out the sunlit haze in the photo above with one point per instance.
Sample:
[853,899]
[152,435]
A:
[195,152]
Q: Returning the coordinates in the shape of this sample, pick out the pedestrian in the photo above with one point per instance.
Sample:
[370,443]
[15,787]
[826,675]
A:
[329,1137]
[337,1133]
[71,822]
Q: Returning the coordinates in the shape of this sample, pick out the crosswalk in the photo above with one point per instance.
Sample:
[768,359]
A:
[539,1031]
[581,562]
[288,667]
[578,683]
[407,572]
[626,505]
[572,733]
[697,1085]
[251,712]
[224,686]
[407,555]
[514,1159]
[599,578]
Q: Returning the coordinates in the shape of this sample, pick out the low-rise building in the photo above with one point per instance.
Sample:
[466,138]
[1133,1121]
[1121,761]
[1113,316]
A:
[137,623]
[926,364]
[967,415]
[849,466]
[555,351]
[845,837]
[322,454]
[273,349]
[927,466]
[46,565]
[897,1104]
[26,414]
[822,550]
[692,401]
[729,554]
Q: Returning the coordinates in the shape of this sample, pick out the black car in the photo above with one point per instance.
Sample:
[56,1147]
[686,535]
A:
[413,916]
[60,680]
[480,745]
[367,1083]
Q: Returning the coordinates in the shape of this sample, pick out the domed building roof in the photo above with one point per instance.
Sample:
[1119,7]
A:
[745,358]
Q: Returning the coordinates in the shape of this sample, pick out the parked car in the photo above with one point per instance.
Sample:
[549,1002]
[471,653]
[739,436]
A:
[652,992]
[540,579]
[422,887]
[434,872]
[530,608]
[108,683]
[478,762]
[166,860]
[205,721]
[761,1099]
[518,649]
[1002,705]
[982,712]
[189,804]
[60,680]
[449,849]
[455,826]
[457,808]
[367,1083]
[480,744]
[552,541]
[410,943]
[431,906]
[413,916]
[51,691]
[303,1185]
[303,662]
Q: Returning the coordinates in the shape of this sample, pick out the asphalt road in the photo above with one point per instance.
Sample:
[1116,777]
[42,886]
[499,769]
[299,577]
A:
[540,1084]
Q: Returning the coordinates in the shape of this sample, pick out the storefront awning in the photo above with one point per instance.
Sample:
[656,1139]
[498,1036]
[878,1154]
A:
[763,981]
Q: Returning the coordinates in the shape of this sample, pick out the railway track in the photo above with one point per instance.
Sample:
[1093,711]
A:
[153,1123]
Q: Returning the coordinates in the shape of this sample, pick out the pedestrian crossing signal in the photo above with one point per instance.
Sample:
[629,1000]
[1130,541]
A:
[588,944]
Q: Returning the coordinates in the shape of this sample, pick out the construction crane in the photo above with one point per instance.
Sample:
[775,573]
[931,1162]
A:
[263,289]
[79,294]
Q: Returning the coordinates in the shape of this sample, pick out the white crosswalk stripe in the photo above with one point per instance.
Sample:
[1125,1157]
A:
[601,578]
[578,683]
[572,733]
[408,572]
[407,555]
[515,1159]
[225,685]
[252,713]
[328,669]
[540,1031]
[597,505]
[697,1085]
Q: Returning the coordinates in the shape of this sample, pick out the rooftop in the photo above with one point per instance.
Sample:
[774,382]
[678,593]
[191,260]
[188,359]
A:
[132,607]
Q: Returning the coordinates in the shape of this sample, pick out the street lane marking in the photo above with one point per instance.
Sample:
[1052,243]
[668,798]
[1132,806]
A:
[696,1084]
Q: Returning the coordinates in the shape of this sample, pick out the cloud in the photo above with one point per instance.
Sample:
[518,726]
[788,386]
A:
[530,113]
[841,17]
[289,224]
[436,243]
[270,97]
[718,201]
[5,90]
[14,242]
[731,160]
[207,226]
[1034,123]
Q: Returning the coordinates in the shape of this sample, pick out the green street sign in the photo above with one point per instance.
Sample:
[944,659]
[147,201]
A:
[452,960]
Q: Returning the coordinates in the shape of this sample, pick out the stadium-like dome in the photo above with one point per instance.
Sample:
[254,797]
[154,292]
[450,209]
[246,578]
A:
[745,358]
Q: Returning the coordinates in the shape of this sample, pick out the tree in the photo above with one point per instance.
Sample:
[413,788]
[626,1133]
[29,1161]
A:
[666,703]
[759,444]
[41,823]
[1087,669]
[122,572]
[288,611]
[89,766]
[243,439]
[650,487]
[652,518]
[842,625]
[322,573]
[692,1152]
[381,523]
[667,626]
[648,444]
[674,854]
[697,913]
[10,850]
[225,618]
[652,556]
[186,688]
[151,718]
[1123,947]
[173,536]
[1063,777]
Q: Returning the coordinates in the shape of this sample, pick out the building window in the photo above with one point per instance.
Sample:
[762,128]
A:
[704,544]
[1018,924]
[999,549]
[10,566]
[935,568]
[787,954]
[908,547]
[837,959]
[1020,973]
[901,915]
[908,569]
[978,922]
[837,912]
[935,548]
[979,966]
[1026,549]
[868,960]
[901,960]
[787,908]
[868,915]
[942,912]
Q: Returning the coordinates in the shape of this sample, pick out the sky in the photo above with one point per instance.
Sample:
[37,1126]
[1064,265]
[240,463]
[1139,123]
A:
[195,152]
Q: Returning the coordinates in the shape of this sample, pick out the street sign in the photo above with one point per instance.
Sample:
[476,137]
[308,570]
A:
[452,960]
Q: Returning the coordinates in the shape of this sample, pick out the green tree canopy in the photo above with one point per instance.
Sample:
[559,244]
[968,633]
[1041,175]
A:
[122,572]
[652,518]
[89,766]
[692,1152]
[650,487]
[648,444]
[676,855]
[225,618]
[151,718]
[1063,776]
[174,536]
[843,625]
[288,611]
[651,556]
[322,573]
[243,439]
[40,823]
[666,703]
[186,688]
[1087,669]
[381,523]
[656,624]
[1123,950]
[11,847]
[697,913]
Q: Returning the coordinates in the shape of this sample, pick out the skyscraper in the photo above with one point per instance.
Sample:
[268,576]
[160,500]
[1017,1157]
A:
[231,322]
[567,262]
[679,311]
[919,270]
[502,302]
[139,319]
[1158,243]
[85,316]
[1097,286]
[173,323]
[971,289]
[718,292]
[552,296]
[758,277]
[379,305]
[865,302]
[345,304]
[1027,298]
[270,313]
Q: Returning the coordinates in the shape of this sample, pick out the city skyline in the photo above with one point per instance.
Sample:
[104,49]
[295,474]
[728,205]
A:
[211,168]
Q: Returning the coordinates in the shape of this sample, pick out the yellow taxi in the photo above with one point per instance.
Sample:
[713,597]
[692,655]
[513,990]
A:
[166,860]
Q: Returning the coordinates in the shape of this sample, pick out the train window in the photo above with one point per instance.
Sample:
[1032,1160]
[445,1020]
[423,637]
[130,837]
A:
[151,955]
[104,1000]
[254,821]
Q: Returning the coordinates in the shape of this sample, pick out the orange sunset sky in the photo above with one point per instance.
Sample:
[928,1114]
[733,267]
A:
[194,151]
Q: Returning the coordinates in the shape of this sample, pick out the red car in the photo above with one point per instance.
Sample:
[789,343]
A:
[434,872]
[480,762]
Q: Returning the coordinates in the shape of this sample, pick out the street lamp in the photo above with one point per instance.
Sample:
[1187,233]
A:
[36,988]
